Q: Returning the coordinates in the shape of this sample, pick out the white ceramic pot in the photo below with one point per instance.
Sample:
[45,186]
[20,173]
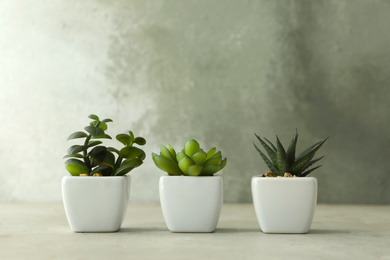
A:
[284,205]
[95,204]
[191,204]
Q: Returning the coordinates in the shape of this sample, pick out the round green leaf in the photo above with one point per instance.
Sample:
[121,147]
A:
[199,157]
[180,156]
[211,153]
[94,117]
[132,152]
[103,126]
[105,136]
[77,135]
[167,154]
[210,170]
[194,170]
[76,167]
[124,139]
[140,141]
[106,120]
[185,163]
[212,161]
[94,131]
[74,149]
[93,143]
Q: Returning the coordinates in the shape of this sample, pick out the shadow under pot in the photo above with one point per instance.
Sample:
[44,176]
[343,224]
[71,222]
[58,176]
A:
[95,204]
[191,204]
[284,205]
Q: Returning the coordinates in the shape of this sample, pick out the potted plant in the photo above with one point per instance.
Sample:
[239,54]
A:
[191,195]
[96,195]
[286,204]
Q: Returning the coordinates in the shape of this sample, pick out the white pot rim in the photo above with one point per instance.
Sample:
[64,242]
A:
[97,177]
[283,178]
[188,177]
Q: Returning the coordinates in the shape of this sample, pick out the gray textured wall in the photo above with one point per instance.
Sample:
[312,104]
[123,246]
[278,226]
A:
[216,71]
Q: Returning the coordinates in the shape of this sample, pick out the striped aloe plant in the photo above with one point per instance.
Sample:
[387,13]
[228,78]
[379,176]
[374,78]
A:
[281,161]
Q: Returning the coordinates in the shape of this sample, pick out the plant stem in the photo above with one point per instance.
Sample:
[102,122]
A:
[117,163]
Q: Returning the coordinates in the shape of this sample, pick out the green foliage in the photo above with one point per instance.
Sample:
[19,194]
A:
[91,157]
[191,161]
[279,161]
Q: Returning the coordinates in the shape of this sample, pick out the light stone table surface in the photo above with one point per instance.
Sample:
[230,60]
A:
[40,231]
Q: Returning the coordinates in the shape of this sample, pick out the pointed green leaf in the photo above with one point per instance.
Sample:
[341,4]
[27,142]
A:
[166,165]
[212,161]
[313,162]
[194,170]
[94,117]
[171,150]
[271,144]
[167,154]
[210,170]
[223,163]
[309,171]
[269,150]
[131,135]
[303,162]
[76,167]
[77,135]
[105,136]
[291,149]
[217,155]
[127,166]
[72,156]
[305,152]
[94,131]
[124,139]
[281,157]
[140,141]
[267,161]
[211,153]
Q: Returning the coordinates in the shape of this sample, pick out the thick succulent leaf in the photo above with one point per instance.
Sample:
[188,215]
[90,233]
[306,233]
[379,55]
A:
[167,154]
[76,167]
[267,161]
[94,117]
[112,149]
[171,150]
[93,143]
[94,131]
[166,165]
[191,147]
[199,157]
[291,149]
[74,149]
[210,170]
[212,161]
[180,156]
[72,156]
[217,155]
[185,163]
[271,144]
[281,157]
[106,120]
[303,162]
[100,169]
[103,126]
[313,162]
[140,141]
[304,174]
[77,135]
[211,153]
[124,139]
[194,170]
[132,152]
[271,153]
[93,123]
[223,163]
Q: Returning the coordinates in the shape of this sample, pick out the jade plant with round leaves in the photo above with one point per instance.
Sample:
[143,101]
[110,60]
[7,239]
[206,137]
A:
[92,158]
[191,161]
